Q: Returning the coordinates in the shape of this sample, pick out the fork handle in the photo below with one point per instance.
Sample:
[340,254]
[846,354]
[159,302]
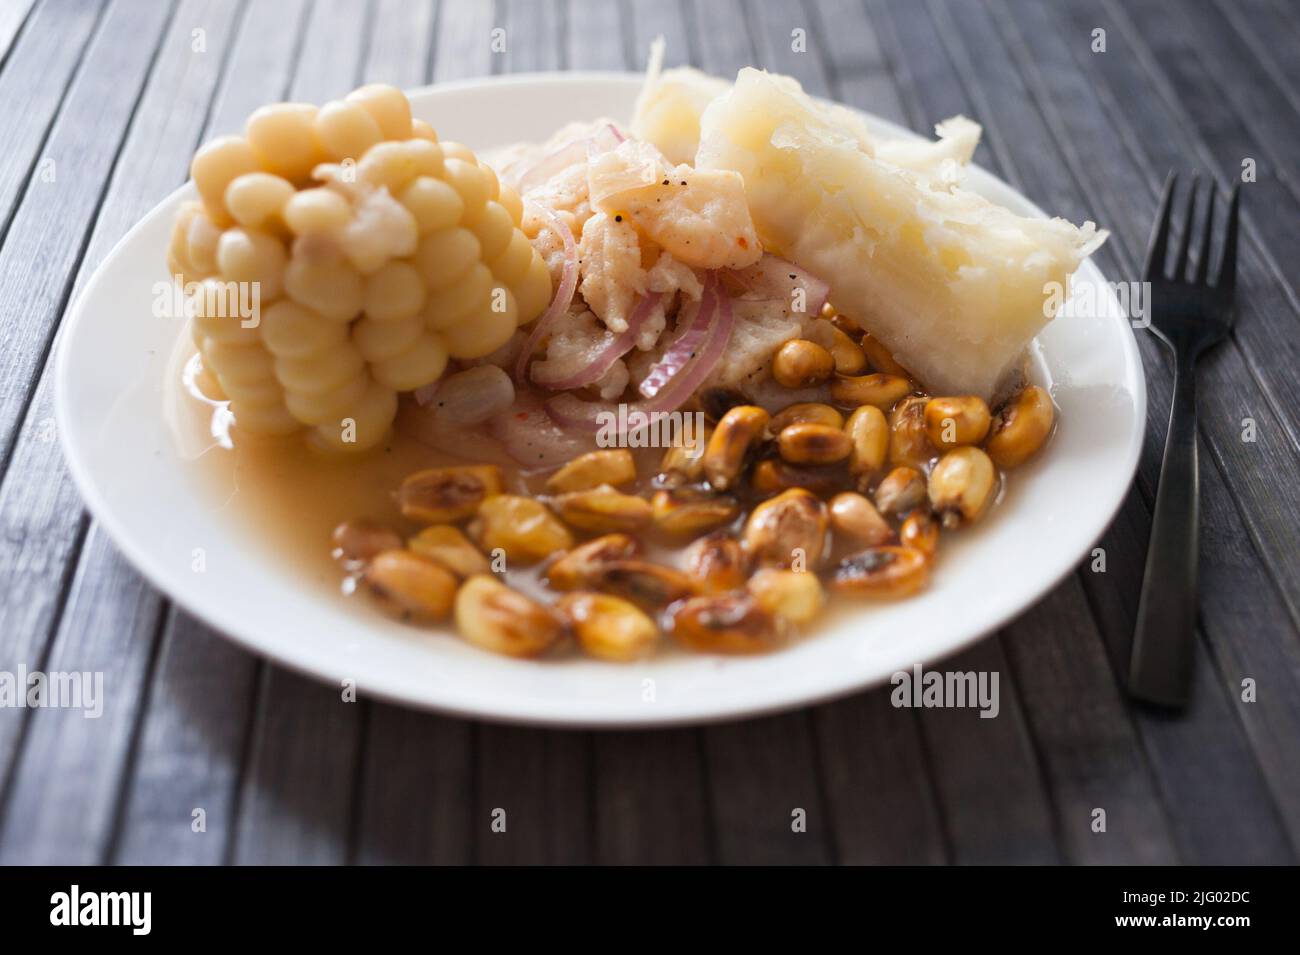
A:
[1164,638]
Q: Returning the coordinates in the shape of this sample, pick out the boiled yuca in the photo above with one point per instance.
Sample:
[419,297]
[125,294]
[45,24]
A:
[953,284]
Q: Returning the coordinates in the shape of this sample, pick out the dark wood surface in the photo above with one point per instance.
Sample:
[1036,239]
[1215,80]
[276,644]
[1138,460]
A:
[114,98]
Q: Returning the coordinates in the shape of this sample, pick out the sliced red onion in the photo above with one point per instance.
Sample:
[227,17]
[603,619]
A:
[534,439]
[570,154]
[772,278]
[615,348]
[573,412]
[684,348]
[563,295]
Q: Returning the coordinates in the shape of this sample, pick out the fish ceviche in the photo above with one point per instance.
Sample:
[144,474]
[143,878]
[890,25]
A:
[685,377]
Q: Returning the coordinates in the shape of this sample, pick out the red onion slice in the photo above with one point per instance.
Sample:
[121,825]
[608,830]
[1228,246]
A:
[617,346]
[573,412]
[773,278]
[570,154]
[686,345]
[563,295]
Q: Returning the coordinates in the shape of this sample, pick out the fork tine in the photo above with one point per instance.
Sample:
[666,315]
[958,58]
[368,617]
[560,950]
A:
[1180,263]
[1203,263]
[1155,267]
[1227,279]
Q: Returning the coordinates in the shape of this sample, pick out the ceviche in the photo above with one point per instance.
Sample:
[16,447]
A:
[681,376]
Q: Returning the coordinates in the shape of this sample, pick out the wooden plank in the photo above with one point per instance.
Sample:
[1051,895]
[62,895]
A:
[202,682]
[1198,54]
[191,752]
[401,43]
[334,44]
[593,36]
[967,29]
[660,18]
[416,795]
[878,788]
[1257,470]
[1090,753]
[60,809]
[720,29]
[532,35]
[765,792]
[1255,479]
[859,75]
[758,772]
[415,790]
[1164,136]
[1269,29]
[786,42]
[1216,799]
[879,791]
[40,514]
[650,799]
[990,786]
[34,81]
[532,802]
[462,47]
[299,787]
[13,16]
[298,790]
[1015,805]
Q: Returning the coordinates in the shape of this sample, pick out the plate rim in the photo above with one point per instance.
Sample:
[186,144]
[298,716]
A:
[466,706]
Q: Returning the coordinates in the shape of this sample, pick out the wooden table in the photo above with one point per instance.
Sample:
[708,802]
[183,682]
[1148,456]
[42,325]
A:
[101,106]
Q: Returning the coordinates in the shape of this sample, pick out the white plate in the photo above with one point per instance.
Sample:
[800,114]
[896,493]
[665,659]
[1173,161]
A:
[109,387]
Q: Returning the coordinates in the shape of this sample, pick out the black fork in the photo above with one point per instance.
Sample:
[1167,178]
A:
[1190,315]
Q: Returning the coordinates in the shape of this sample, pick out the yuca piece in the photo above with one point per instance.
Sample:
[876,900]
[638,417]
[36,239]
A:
[952,284]
[377,252]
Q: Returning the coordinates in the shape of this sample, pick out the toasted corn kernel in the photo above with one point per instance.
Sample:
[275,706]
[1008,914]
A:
[593,469]
[920,532]
[522,527]
[805,412]
[788,530]
[901,490]
[447,546]
[961,485]
[356,542]
[577,568]
[908,441]
[855,516]
[492,616]
[813,444]
[876,389]
[603,509]
[793,596]
[411,584]
[737,433]
[881,358]
[869,432]
[717,563]
[1020,428]
[772,475]
[849,358]
[685,511]
[841,321]
[716,402]
[684,463]
[609,627]
[443,495]
[725,623]
[952,422]
[800,363]
[882,572]
[649,586]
